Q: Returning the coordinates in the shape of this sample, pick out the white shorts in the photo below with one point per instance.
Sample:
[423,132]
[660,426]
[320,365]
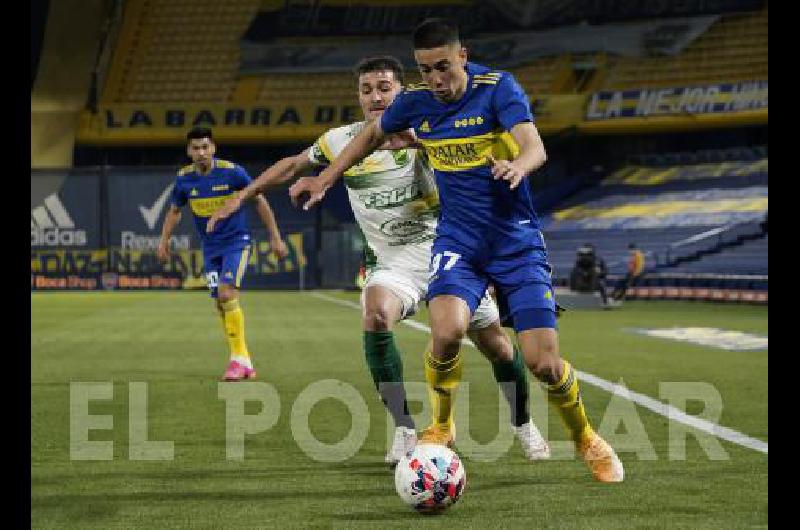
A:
[412,286]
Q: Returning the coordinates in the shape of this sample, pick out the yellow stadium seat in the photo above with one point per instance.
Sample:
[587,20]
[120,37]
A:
[188,50]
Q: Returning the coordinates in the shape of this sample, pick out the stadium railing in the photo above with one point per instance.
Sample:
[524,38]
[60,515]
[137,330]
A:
[711,241]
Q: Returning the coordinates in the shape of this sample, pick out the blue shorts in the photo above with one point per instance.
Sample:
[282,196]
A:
[521,279]
[227,267]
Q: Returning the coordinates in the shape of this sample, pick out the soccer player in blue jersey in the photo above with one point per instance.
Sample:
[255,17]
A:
[205,185]
[477,129]
[397,260]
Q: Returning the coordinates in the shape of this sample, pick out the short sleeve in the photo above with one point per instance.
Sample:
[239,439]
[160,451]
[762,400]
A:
[320,153]
[178,196]
[396,117]
[241,177]
[511,103]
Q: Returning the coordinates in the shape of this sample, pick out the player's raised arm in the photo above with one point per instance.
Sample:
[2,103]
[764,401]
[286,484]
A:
[369,139]
[281,171]
[267,216]
[531,156]
[171,220]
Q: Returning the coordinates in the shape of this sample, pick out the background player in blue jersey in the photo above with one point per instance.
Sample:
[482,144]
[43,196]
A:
[205,185]
[477,129]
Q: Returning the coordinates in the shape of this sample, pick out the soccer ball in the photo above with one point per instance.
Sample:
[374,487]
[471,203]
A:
[430,478]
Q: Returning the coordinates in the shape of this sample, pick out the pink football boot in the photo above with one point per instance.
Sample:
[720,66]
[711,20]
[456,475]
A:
[237,372]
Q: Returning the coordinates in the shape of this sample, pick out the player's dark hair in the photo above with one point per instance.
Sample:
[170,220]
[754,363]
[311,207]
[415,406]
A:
[198,133]
[435,32]
[380,63]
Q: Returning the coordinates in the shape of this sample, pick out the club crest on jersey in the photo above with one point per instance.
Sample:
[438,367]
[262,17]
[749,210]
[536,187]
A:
[401,157]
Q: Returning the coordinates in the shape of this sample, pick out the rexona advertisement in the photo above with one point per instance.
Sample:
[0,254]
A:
[137,203]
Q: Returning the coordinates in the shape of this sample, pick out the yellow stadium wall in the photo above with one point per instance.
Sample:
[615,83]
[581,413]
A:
[303,120]
[62,82]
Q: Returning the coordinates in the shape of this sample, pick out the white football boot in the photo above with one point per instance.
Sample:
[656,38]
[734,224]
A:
[405,440]
[533,444]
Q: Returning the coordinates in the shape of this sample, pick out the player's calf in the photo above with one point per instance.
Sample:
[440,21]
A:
[240,366]
[540,350]
[493,343]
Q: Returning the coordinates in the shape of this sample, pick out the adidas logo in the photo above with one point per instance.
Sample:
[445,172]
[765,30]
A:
[425,127]
[194,192]
[51,225]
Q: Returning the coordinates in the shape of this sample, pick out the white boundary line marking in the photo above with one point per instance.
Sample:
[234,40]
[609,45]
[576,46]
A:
[668,411]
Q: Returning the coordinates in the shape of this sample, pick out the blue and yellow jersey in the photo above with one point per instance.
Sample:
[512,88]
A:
[457,138]
[205,194]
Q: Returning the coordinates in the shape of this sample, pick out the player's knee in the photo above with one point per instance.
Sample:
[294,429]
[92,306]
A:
[543,360]
[545,369]
[227,293]
[448,335]
[378,319]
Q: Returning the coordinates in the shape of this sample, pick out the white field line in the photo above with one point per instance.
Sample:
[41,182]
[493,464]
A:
[668,411]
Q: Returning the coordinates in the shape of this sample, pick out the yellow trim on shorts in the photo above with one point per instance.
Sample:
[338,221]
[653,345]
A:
[242,266]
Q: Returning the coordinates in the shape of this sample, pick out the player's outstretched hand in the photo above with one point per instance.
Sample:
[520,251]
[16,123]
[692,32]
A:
[308,190]
[227,209]
[163,251]
[506,170]
[278,246]
[402,140]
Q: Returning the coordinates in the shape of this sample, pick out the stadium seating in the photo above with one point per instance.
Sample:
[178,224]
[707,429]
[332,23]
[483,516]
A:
[710,213]
[178,51]
[733,49]
[749,257]
[188,51]
[612,246]
[540,77]
[703,156]
[546,75]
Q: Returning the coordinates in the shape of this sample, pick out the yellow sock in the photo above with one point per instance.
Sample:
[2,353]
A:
[234,328]
[221,314]
[566,396]
[443,379]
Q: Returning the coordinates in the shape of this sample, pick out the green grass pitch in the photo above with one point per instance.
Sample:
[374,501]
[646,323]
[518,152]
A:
[174,343]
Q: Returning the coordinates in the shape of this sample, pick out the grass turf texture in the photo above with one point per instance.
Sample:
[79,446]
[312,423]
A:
[173,342]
